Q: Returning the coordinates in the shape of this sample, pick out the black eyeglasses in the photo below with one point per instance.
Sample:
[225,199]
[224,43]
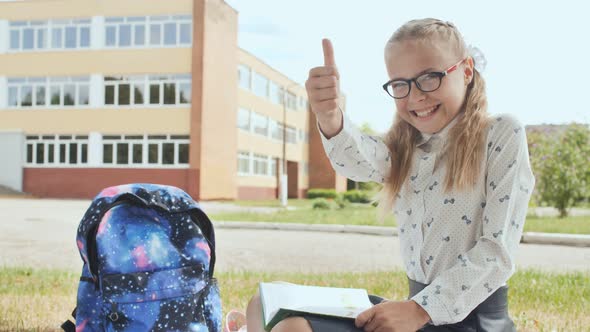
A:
[428,82]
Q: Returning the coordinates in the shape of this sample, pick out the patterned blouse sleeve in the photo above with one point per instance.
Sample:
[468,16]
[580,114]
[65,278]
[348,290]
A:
[452,295]
[357,156]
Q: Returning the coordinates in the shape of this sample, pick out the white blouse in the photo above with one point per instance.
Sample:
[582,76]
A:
[460,243]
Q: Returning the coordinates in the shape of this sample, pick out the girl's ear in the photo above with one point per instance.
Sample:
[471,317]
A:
[468,71]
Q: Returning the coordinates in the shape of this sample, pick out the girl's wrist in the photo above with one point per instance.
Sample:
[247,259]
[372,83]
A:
[330,124]
[422,314]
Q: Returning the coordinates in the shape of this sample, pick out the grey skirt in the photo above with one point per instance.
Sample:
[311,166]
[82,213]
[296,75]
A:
[489,316]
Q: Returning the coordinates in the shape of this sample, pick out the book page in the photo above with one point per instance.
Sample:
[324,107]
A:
[340,302]
[348,312]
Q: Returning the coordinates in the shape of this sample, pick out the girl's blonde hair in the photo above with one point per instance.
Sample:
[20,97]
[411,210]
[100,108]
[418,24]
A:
[466,141]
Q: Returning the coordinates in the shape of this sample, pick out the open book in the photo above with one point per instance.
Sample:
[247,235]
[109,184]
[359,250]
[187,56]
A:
[280,301]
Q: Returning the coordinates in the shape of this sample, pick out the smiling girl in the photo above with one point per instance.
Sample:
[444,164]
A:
[457,179]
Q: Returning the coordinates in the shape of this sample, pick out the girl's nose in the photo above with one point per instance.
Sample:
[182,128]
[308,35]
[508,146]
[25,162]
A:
[416,94]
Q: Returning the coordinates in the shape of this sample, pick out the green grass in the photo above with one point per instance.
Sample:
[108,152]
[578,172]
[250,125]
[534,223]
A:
[354,215]
[39,300]
[364,214]
[568,225]
[274,203]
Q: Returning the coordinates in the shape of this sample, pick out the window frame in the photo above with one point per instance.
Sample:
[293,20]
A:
[146,82]
[79,83]
[145,141]
[180,20]
[47,28]
[56,141]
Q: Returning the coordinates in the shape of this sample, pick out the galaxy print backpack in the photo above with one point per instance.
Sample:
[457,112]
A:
[149,254]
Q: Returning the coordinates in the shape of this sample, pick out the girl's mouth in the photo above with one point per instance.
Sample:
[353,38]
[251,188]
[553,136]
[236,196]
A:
[426,113]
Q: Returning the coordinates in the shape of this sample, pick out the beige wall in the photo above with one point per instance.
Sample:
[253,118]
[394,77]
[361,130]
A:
[105,121]
[296,118]
[40,9]
[214,108]
[257,181]
[107,62]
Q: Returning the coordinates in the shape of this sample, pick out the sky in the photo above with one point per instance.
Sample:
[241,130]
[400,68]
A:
[537,52]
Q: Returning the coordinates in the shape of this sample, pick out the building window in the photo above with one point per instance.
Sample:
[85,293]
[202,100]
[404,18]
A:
[154,90]
[49,35]
[302,103]
[184,92]
[244,119]
[256,164]
[276,130]
[243,163]
[48,91]
[291,135]
[259,124]
[122,153]
[260,85]
[183,152]
[268,127]
[244,77]
[276,93]
[302,136]
[273,166]
[291,101]
[141,31]
[149,151]
[260,164]
[57,150]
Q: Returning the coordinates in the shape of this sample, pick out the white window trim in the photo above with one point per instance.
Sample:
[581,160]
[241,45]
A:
[272,160]
[248,156]
[48,27]
[249,130]
[252,158]
[147,81]
[292,101]
[56,141]
[269,128]
[259,157]
[47,83]
[145,142]
[280,90]
[253,124]
[253,86]
[100,143]
[178,20]
[291,132]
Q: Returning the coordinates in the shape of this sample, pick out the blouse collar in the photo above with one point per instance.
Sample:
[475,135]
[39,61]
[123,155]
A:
[441,135]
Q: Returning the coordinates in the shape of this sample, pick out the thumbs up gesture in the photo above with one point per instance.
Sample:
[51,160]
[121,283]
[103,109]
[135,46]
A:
[323,92]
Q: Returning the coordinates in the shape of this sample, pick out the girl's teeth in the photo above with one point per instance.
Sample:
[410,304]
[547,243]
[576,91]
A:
[426,113]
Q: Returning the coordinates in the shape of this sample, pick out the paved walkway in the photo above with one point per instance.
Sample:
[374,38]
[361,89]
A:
[41,233]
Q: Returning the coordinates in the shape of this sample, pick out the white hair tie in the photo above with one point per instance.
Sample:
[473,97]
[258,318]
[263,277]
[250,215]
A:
[479,60]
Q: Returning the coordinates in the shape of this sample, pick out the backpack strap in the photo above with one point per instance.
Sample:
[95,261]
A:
[206,227]
[68,325]
[164,197]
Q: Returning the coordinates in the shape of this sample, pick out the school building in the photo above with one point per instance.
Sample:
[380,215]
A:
[99,93]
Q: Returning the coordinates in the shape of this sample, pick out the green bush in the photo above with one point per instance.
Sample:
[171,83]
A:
[560,164]
[341,202]
[357,196]
[321,193]
[321,204]
[366,186]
